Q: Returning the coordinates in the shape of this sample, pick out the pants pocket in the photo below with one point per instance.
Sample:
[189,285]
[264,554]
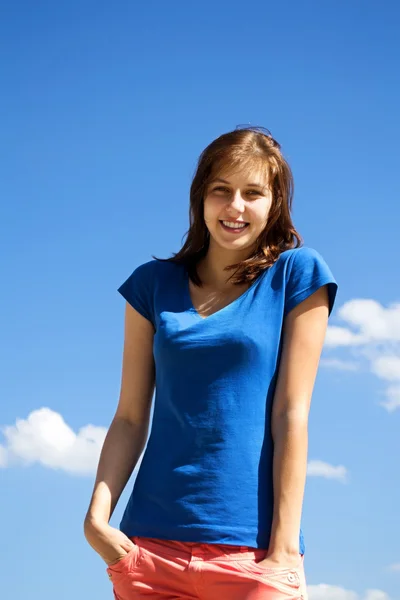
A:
[287,580]
[125,565]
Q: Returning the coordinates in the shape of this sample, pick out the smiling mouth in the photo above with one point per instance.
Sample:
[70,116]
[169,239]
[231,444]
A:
[234,226]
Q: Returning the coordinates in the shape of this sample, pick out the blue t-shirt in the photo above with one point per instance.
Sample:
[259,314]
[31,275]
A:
[206,474]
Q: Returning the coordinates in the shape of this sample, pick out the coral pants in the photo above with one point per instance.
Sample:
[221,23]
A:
[169,570]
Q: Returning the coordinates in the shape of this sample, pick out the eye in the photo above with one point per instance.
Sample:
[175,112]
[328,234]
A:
[254,193]
[221,189]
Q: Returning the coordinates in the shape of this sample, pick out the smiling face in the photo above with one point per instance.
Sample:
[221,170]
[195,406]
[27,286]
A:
[236,209]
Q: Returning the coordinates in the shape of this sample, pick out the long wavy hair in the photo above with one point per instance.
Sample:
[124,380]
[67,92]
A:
[247,148]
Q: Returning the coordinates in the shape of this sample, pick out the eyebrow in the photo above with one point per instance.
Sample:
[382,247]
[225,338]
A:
[257,185]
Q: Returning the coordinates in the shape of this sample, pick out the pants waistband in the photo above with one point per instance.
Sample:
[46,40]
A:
[206,551]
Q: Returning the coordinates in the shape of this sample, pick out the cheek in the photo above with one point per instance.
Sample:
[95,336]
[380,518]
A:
[212,208]
[261,213]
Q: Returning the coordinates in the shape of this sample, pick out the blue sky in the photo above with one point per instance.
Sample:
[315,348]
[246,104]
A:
[105,108]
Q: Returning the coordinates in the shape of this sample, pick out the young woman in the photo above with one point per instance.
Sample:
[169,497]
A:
[229,333]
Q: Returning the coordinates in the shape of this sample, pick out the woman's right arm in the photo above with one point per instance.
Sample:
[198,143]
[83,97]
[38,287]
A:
[126,437]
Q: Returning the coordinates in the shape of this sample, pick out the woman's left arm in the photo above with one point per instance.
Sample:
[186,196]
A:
[303,338]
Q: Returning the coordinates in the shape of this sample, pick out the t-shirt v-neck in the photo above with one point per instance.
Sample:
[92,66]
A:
[230,305]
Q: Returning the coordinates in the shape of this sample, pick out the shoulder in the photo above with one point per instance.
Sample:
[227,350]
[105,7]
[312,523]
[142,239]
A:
[142,285]
[155,269]
[145,269]
[305,270]
[296,257]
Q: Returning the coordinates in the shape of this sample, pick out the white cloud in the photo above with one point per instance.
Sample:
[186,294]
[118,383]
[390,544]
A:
[387,367]
[45,438]
[340,336]
[395,567]
[340,365]
[374,321]
[392,401]
[376,595]
[318,468]
[373,332]
[333,592]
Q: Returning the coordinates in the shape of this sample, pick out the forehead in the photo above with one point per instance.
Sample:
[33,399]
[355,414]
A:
[257,174]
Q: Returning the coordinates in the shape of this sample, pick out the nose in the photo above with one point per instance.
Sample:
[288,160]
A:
[237,202]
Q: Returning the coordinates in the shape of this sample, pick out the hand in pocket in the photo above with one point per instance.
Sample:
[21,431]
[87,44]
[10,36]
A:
[110,543]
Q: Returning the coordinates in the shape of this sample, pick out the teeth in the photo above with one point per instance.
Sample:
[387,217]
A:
[234,225]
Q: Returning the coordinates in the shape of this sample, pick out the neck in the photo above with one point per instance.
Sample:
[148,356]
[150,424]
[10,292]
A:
[211,268]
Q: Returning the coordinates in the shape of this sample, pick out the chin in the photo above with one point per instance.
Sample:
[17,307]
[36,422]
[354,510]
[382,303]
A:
[234,246]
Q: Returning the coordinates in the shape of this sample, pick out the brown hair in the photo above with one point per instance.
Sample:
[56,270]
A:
[249,148]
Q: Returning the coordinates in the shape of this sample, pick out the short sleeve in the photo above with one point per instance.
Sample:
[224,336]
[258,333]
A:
[308,272]
[138,290]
